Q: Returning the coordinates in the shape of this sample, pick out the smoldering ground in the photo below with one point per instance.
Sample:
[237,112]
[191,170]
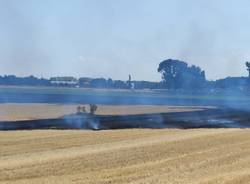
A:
[232,109]
[208,118]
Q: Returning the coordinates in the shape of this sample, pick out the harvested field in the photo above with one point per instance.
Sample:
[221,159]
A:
[126,156]
[29,111]
[197,156]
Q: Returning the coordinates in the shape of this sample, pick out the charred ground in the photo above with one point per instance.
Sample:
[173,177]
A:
[207,118]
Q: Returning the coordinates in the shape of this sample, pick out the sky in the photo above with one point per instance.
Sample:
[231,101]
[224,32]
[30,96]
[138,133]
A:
[115,38]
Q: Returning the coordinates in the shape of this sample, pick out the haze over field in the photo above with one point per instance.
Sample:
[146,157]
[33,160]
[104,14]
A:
[114,38]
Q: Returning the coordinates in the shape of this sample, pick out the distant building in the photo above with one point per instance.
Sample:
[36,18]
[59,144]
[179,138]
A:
[85,82]
[64,81]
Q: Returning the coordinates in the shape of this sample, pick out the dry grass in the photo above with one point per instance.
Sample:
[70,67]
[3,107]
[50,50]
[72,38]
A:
[9,112]
[126,156]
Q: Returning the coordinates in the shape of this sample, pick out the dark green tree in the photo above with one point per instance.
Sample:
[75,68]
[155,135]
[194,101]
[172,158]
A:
[178,75]
[248,68]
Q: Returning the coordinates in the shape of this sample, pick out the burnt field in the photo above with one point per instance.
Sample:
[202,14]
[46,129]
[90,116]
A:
[141,143]
[206,118]
[147,109]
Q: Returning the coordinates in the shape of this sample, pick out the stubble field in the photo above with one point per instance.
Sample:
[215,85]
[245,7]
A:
[197,156]
[126,156]
[30,111]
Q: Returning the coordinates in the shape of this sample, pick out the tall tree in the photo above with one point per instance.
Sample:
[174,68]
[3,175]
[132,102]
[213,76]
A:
[178,75]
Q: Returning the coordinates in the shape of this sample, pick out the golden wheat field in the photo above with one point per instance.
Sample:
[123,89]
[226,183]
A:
[126,156]
[29,111]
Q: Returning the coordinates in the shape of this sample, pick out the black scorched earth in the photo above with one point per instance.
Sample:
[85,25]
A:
[208,118]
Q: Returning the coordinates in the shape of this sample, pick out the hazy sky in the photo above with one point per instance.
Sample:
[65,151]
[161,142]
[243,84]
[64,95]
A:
[114,38]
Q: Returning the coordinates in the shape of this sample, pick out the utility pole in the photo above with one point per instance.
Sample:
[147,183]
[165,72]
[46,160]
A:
[129,81]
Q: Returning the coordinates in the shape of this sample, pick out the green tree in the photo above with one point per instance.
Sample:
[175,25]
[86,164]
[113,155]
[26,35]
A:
[178,75]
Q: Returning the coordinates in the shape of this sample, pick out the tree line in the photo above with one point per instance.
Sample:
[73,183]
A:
[83,82]
[176,75]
